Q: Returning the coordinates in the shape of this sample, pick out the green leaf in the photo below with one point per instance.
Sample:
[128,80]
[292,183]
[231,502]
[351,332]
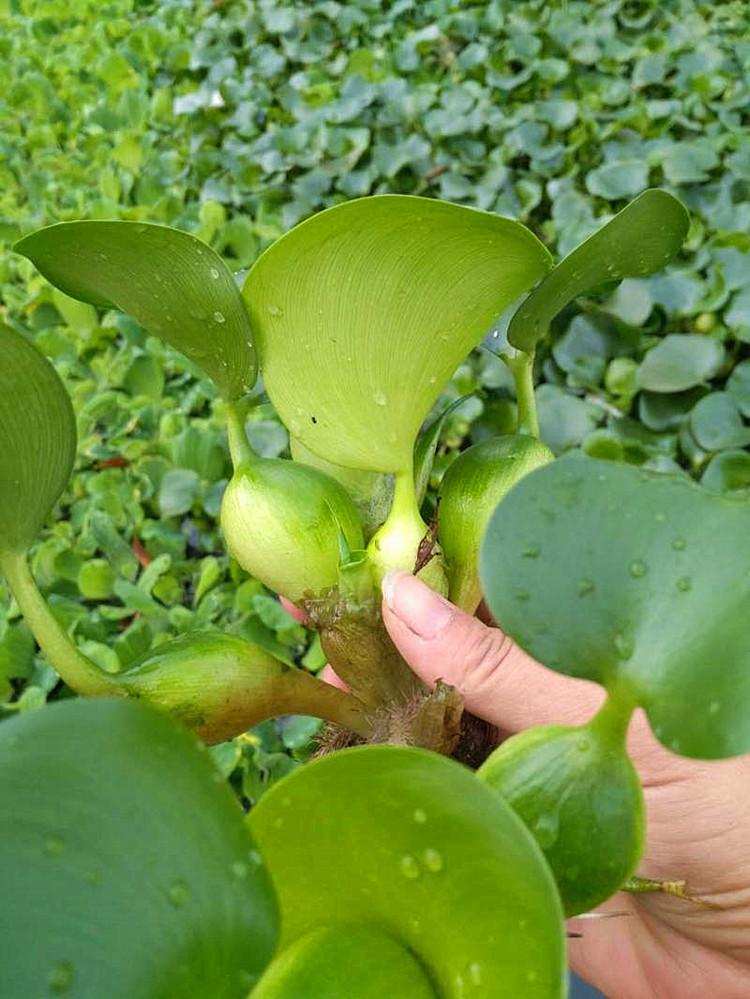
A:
[128,864]
[344,960]
[727,472]
[387,834]
[641,582]
[618,180]
[639,240]
[426,446]
[716,423]
[363,312]
[680,361]
[177,288]
[178,491]
[37,440]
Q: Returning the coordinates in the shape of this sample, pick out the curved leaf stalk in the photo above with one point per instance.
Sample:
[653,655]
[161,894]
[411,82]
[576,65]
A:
[239,446]
[79,672]
[521,365]
[217,685]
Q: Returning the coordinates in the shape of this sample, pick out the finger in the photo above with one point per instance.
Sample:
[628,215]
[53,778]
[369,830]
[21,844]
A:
[290,608]
[498,680]
[327,674]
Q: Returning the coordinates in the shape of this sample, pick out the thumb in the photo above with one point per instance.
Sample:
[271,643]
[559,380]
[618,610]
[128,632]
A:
[497,680]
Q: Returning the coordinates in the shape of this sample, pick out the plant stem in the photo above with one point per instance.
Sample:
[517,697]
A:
[522,368]
[299,693]
[396,543]
[613,718]
[239,445]
[79,673]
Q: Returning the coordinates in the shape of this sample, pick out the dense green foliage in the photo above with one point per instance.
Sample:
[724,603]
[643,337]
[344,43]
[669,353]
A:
[235,120]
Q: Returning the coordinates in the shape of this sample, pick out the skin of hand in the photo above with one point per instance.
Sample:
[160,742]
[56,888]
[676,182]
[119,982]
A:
[698,813]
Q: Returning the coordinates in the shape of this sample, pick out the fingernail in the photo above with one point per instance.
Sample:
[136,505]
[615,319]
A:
[424,612]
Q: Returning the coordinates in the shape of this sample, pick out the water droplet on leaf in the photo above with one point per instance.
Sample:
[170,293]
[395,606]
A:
[531,552]
[379,398]
[178,894]
[432,860]
[239,870]
[219,317]
[215,273]
[638,568]
[420,816]
[585,587]
[623,645]
[546,829]
[684,583]
[409,867]
[275,311]
[679,544]
[61,977]
[54,846]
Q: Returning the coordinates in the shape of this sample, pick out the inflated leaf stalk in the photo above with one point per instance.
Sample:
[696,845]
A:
[282,521]
[469,492]
[640,603]
[579,794]
[220,685]
[421,861]
[127,859]
[361,315]
[175,285]
[372,492]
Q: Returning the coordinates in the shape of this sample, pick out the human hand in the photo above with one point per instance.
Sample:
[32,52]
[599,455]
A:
[698,813]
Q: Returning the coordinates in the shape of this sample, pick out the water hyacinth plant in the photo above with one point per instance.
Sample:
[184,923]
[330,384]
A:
[356,319]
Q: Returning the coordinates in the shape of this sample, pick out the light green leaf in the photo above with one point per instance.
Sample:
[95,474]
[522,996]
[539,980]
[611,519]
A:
[37,440]
[641,581]
[680,361]
[618,180]
[386,843]
[128,863]
[172,283]
[363,312]
[639,240]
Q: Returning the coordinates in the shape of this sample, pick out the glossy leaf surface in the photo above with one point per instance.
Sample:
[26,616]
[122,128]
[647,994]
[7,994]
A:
[129,865]
[176,286]
[363,312]
[580,796]
[638,241]
[471,489]
[282,522]
[639,579]
[345,962]
[37,440]
[413,843]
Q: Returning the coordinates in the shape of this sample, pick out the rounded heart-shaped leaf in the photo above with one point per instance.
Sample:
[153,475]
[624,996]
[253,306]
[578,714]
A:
[176,286]
[363,312]
[37,440]
[637,580]
[413,844]
[131,872]
[639,240]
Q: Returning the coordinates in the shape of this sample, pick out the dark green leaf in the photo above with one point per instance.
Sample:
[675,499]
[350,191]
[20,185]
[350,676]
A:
[656,602]
[127,861]
[37,440]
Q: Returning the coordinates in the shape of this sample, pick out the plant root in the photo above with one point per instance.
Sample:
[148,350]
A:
[676,888]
